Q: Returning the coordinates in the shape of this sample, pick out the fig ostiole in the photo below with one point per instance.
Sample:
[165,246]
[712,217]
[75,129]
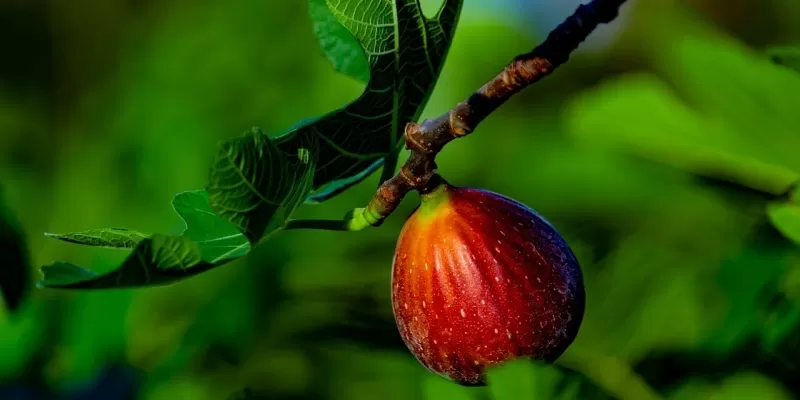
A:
[479,279]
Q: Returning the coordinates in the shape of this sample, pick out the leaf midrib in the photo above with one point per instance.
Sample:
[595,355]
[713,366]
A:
[396,92]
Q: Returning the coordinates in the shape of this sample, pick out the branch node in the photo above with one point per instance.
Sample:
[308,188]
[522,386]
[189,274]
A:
[418,179]
[415,140]
[458,118]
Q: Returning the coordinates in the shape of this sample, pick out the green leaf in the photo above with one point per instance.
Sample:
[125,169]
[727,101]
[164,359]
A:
[62,274]
[15,277]
[340,46]
[781,331]
[786,218]
[218,240]
[758,285]
[256,186]
[157,260]
[405,52]
[713,108]
[337,187]
[207,242]
[784,214]
[108,237]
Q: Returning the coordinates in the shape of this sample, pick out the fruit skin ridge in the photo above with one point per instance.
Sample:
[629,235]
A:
[479,278]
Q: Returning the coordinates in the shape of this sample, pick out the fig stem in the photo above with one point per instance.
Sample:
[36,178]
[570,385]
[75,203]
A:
[426,139]
[431,200]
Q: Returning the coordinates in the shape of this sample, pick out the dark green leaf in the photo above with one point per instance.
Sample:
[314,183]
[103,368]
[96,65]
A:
[759,302]
[256,185]
[340,186]
[108,237]
[14,271]
[340,46]
[783,317]
[207,242]
[405,52]
[156,260]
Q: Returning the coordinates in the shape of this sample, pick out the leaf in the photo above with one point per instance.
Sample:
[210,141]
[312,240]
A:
[751,385]
[155,261]
[750,282]
[784,214]
[405,52]
[340,46]
[108,237]
[337,187]
[713,109]
[207,242]
[217,239]
[786,218]
[14,273]
[61,274]
[256,186]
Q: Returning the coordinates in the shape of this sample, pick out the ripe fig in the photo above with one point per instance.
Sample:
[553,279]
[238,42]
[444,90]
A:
[478,279]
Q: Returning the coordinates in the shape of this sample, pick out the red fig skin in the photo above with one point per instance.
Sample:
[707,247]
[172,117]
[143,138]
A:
[479,279]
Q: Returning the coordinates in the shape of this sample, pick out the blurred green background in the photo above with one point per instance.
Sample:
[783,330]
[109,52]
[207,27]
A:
[654,151]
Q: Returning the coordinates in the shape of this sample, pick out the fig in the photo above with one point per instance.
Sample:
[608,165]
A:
[479,279]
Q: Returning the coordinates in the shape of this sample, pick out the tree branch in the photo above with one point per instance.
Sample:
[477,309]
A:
[427,139]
